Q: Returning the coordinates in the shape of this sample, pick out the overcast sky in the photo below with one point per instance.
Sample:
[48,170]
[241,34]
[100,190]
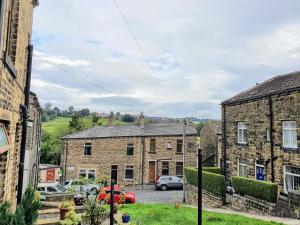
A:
[200,52]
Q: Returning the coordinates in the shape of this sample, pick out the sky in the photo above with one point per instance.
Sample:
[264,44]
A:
[189,55]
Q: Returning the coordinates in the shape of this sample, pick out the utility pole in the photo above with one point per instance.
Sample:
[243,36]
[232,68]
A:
[111,216]
[199,186]
[183,152]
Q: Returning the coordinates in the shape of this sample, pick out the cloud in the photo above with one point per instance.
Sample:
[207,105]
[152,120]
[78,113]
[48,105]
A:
[200,53]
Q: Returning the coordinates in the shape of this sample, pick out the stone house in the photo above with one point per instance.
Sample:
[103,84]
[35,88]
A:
[261,130]
[129,154]
[33,142]
[15,68]
[209,142]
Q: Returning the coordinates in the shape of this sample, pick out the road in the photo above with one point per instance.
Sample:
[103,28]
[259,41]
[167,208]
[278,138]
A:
[150,195]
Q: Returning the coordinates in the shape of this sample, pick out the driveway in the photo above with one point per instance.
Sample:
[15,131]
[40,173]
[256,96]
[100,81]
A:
[150,195]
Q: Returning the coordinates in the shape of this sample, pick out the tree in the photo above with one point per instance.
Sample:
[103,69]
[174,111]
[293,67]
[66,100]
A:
[76,123]
[48,106]
[128,118]
[95,119]
[199,127]
[71,110]
[84,112]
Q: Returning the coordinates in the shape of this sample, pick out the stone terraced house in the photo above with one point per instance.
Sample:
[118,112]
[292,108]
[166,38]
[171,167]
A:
[261,132]
[129,154]
[15,63]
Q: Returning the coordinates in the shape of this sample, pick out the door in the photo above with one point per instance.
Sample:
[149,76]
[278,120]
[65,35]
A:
[152,174]
[114,173]
[260,173]
[50,177]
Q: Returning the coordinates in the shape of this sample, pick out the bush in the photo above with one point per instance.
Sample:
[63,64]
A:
[216,170]
[211,182]
[258,189]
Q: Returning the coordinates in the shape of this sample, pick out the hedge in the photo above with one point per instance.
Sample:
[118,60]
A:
[211,182]
[216,170]
[258,189]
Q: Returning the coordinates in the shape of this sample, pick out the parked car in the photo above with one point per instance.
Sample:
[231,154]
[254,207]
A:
[50,188]
[79,188]
[129,197]
[164,183]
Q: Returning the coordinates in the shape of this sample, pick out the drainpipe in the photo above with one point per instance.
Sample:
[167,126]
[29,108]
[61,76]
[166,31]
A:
[24,112]
[271,138]
[143,160]
[224,140]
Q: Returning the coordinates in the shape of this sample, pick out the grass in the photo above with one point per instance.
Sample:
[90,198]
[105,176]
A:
[60,125]
[162,214]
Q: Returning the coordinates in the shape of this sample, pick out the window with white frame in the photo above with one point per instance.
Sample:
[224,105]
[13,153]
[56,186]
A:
[88,148]
[4,143]
[242,129]
[87,173]
[179,169]
[289,134]
[268,135]
[291,178]
[168,145]
[130,149]
[242,167]
[129,172]
[165,168]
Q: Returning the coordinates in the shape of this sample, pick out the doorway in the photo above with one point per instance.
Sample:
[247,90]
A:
[152,171]
[114,173]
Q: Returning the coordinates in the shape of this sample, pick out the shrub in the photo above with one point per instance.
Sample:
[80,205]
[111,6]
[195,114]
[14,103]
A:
[211,182]
[216,170]
[258,189]
[94,213]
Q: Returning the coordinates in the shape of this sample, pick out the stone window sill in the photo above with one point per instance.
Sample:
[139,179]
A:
[286,149]
[11,67]
[179,153]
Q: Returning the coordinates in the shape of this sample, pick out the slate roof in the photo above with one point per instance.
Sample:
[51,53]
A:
[276,85]
[133,131]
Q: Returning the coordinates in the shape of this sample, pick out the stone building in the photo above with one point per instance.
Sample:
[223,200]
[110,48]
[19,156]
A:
[33,142]
[15,63]
[261,130]
[209,142]
[129,154]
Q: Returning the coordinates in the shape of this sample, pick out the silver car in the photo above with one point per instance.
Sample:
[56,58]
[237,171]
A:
[168,182]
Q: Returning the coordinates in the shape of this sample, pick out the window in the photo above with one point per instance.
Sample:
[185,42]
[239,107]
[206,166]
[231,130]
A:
[152,145]
[268,135]
[90,174]
[242,168]
[292,178]
[165,169]
[130,149]
[4,143]
[179,146]
[129,172]
[88,149]
[169,145]
[51,189]
[289,134]
[179,169]
[242,128]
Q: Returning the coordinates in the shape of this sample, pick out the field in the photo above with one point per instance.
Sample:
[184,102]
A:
[156,214]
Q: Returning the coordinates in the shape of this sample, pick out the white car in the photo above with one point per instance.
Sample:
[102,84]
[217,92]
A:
[50,188]
[87,188]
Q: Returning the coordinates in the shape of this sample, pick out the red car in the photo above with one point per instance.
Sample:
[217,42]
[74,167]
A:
[129,197]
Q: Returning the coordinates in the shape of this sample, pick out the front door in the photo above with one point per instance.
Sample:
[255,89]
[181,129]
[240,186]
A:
[114,173]
[152,175]
[50,177]
[260,172]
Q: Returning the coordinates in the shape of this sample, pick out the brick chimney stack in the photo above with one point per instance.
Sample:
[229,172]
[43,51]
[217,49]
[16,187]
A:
[110,121]
[142,120]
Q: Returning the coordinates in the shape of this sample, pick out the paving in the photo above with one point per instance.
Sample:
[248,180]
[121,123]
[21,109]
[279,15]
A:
[148,194]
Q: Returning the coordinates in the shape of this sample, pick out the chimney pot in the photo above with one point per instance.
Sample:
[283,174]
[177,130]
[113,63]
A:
[142,120]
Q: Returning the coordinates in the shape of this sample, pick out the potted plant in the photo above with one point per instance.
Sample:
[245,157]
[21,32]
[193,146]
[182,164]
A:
[126,217]
[65,207]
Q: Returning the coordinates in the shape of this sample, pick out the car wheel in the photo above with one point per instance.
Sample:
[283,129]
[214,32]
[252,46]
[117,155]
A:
[163,187]
[127,201]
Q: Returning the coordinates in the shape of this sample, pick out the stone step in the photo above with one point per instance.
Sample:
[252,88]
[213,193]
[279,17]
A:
[52,221]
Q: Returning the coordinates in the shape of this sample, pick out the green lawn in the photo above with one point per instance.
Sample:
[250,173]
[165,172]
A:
[159,214]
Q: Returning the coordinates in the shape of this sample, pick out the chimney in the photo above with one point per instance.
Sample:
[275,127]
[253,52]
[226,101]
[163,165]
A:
[110,121]
[142,120]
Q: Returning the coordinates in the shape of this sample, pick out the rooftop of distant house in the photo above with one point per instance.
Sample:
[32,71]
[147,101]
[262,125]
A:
[134,131]
[277,85]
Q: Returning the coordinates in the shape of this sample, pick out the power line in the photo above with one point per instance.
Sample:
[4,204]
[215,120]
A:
[138,45]
[74,74]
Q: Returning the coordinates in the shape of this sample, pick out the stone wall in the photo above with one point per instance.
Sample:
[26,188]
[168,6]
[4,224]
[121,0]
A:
[12,82]
[289,206]
[256,114]
[112,151]
[207,198]
[250,204]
